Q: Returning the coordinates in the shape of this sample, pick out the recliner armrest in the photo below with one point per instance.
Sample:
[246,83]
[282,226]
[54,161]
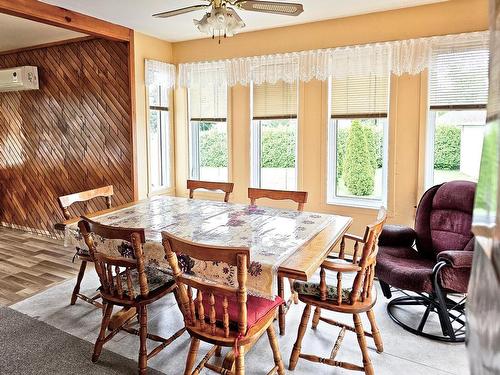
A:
[397,235]
[457,258]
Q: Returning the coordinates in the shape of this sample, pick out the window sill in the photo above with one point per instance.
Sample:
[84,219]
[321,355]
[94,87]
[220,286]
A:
[162,191]
[357,203]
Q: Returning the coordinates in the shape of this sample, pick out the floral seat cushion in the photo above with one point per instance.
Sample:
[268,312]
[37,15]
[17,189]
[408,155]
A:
[156,279]
[311,288]
[82,252]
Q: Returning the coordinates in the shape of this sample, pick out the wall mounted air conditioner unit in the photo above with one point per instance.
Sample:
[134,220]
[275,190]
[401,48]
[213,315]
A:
[19,79]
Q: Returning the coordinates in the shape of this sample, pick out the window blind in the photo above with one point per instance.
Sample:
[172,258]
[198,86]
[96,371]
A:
[208,103]
[458,76]
[275,101]
[360,96]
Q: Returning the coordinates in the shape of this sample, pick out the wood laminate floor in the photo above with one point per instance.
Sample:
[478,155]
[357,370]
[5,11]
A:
[31,263]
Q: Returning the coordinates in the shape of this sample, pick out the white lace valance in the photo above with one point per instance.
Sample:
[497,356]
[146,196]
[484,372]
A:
[159,72]
[410,56]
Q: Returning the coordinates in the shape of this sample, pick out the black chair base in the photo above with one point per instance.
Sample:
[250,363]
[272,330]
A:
[450,312]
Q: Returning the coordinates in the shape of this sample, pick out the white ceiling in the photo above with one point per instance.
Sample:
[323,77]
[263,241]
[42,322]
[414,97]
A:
[137,14]
[20,33]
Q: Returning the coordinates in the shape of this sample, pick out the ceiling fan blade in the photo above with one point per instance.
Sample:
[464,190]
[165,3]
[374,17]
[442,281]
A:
[236,16]
[274,7]
[176,12]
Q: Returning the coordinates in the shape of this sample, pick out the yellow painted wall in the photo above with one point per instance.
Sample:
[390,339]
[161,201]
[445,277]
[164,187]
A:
[145,47]
[406,114]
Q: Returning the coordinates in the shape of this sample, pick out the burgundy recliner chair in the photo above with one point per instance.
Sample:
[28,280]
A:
[432,260]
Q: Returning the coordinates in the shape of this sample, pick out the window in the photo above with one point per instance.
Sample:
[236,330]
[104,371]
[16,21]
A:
[159,138]
[357,141]
[274,136]
[208,133]
[458,92]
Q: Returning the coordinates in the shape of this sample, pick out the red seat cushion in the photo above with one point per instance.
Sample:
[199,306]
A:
[404,268]
[257,308]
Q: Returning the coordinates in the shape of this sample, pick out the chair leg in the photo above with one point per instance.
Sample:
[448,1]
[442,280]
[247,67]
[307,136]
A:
[360,333]
[218,351]
[143,336]
[273,341]
[316,316]
[386,289]
[240,361]
[79,278]
[295,295]
[298,343]
[102,333]
[193,352]
[375,331]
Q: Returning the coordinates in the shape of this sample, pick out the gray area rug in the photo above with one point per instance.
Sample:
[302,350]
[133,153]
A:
[29,346]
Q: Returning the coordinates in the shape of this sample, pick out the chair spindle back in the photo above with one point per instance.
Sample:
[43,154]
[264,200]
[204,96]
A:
[116,273]
[364,266]
[193,307]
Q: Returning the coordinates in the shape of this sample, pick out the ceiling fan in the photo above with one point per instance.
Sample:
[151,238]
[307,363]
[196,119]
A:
[222,20]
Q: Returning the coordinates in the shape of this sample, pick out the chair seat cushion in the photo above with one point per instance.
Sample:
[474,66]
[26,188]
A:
[156,280]
[311,288]
[82,252]
[404,268]
[257,308]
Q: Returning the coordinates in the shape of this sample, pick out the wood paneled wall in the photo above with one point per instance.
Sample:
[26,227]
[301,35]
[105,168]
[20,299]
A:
[72,134]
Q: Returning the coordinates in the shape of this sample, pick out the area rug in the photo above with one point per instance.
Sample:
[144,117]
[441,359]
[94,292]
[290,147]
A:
[29,346]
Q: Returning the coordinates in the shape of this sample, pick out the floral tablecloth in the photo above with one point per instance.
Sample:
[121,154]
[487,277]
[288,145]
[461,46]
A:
[271,234]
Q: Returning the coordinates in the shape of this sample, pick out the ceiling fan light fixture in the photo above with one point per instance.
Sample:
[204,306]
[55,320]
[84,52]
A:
[221,21]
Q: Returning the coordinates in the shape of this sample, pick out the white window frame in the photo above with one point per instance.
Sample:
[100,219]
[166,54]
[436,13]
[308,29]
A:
[194,143]
[429,148]
[431,138]
[331,196]
[166,154]
[256,143]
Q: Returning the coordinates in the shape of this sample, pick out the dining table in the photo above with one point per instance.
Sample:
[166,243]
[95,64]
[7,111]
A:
[283,243]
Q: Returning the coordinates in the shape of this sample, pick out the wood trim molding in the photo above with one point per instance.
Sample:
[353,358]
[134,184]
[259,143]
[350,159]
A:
[133,113]
[45,13]
[47,45]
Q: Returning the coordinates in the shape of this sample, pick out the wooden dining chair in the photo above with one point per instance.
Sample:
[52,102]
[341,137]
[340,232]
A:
[126,282]
[344,287]
[226,187]
[300,197]
[221,315]
[65,202]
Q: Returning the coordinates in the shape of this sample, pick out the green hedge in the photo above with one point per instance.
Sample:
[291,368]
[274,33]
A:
[374,139]
[342,135]
[213,148]
[359,162]
[447,147]
[278,148]
[279,144]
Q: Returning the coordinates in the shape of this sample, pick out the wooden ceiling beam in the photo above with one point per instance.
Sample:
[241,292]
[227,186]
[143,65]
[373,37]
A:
[56,16]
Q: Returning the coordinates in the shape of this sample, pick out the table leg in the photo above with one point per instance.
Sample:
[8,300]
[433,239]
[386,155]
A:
[282,307]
